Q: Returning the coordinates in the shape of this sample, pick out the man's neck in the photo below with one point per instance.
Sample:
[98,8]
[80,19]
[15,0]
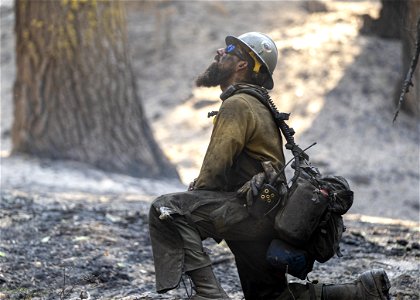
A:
[236,78]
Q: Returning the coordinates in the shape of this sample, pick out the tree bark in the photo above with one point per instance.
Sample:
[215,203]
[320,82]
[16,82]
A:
[75,94]
[390,21]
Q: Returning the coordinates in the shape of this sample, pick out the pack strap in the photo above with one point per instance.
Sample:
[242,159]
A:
[280,119]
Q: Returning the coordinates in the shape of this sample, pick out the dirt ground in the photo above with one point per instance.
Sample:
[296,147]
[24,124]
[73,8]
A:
[58,247]
[68,230]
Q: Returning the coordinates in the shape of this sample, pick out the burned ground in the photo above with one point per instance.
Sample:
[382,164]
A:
[53,248]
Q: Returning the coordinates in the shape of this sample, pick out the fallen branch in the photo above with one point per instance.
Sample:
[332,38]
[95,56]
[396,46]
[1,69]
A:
[408,80]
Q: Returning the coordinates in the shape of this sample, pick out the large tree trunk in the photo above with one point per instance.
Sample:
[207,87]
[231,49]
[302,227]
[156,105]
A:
[390,21]
[75,94]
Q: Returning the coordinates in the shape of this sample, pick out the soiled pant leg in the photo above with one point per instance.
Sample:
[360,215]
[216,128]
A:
[167,242]
[168,252]
[194,255]
[249,241]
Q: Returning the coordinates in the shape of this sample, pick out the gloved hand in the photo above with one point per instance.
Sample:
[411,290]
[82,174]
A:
[271,173]
[252,187]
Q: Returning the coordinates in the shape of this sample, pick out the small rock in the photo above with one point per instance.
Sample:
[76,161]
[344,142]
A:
[84,295]
[415,245]
[397,251]
[402,242]
[114,218]
[45,239]
[38,264]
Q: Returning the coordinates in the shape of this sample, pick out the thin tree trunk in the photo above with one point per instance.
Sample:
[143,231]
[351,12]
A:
[75,94]
[411,103]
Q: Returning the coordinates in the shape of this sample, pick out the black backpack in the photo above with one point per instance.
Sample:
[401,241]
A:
[325,241]
[311,215]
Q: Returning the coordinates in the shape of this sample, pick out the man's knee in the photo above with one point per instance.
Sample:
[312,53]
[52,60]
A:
[161,208]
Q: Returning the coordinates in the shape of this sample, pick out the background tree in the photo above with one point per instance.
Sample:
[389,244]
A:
[409,33]
[75,94]
[398,19]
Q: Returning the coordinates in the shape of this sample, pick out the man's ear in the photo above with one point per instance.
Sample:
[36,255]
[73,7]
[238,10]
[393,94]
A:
[241,65]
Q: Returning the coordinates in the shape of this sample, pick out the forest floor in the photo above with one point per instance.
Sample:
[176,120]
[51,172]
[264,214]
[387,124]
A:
[68,229]
[56,247]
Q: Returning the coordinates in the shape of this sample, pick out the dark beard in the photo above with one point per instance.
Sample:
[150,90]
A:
[213,76]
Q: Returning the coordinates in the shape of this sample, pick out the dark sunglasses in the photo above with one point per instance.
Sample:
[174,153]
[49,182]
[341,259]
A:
[233,50]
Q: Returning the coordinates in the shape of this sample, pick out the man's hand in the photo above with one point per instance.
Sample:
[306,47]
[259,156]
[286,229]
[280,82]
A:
[252,187]
[272,175]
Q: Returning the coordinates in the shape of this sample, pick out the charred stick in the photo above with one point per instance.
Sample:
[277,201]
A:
[408,79]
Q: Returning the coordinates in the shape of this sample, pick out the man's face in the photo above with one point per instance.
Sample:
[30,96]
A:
[219,71]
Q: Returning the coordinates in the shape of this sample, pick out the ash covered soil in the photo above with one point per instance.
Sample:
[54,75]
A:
[68,231]
[54,248]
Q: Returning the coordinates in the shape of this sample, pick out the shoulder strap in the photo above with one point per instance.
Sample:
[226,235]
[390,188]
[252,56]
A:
[262,95]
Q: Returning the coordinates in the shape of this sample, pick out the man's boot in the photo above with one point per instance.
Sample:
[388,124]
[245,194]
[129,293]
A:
[370,285]
[206,284]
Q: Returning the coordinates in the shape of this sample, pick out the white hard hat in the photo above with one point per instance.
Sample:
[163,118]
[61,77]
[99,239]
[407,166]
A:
[263,51]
